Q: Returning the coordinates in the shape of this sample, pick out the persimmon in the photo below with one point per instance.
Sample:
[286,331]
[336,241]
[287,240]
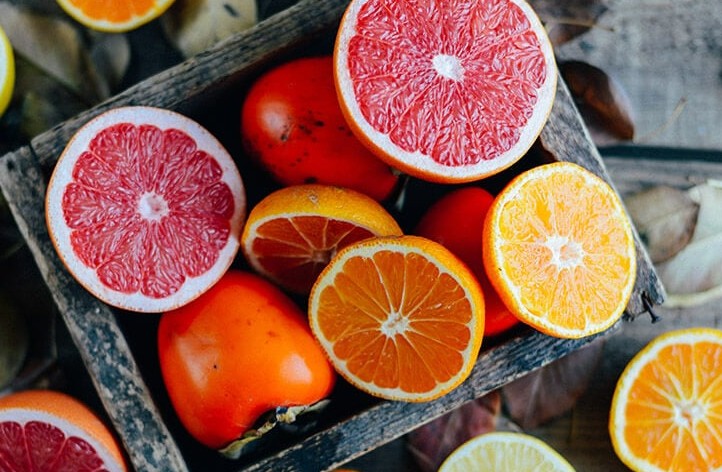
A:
[240,350]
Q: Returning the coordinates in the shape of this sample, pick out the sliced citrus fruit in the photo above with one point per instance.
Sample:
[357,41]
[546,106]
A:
[114,16]
[401,317]
[292,233]
[505,452]
[48,431]
[7,71]
[666,410]
[446,92]
[145,208]
[559,249]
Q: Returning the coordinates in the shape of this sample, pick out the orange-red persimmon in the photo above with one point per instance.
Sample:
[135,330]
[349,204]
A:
[456,221]
[238,351]
[292,125]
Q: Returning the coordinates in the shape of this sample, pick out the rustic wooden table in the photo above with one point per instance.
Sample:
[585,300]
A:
[667,56]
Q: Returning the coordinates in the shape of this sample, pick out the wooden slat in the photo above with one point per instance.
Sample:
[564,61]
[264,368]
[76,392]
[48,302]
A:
[92,326]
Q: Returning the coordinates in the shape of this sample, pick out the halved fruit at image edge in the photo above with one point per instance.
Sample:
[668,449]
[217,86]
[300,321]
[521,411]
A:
[666,410]
[559,249]
[505,452]
[292,233]
[447,91]
[145,208]
[48,431]
[400,317]
[114,16]
[7,72]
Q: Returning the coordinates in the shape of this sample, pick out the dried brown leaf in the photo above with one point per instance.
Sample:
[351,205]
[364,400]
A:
[602,102]
[567,19]
[431,443]
[193,26]
[665,218]
[552,390]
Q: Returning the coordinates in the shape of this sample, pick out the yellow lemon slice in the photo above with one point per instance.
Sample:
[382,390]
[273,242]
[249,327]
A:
[7,71]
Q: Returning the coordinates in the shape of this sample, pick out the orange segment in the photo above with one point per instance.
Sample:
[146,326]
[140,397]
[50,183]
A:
[559,249]
[667,406]
[114,16]
[293,232]
[400,317]
[447,92]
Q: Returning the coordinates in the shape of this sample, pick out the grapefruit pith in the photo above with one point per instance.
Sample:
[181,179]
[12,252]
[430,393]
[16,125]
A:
[145,208]
[446,92]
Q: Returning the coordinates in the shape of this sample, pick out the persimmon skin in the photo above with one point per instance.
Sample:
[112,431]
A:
[456,221]
[292,125]
[238,351]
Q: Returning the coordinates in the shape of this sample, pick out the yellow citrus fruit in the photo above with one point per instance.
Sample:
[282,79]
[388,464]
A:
[114,16]
[401,317]
[666,410]
[447,91]
[7,71]
[50,431]
[559,249]
[292,233]
[505,452]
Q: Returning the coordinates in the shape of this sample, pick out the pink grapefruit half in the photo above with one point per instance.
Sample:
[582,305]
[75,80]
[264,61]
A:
[145,208]
[446,91]
[48,431]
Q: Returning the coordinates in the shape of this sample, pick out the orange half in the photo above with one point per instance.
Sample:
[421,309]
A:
[114,16]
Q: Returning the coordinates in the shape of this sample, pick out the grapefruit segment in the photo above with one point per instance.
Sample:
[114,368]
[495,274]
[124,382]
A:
[447,92]
[145,208]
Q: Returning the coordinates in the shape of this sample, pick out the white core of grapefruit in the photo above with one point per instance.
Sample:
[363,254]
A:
[23,416]
[449,66]
[60,232]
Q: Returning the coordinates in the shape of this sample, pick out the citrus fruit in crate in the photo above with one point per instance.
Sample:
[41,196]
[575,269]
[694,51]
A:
[7,71]
[47,431]
[445,92]
[114,16]
[240,350]
[666,412]
[559,249]
[292,125]
[456,220]
[401,317]
[293,232]
[505,452]
[145,208]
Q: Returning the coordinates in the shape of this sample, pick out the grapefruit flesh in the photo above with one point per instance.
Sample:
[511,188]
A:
[145,208]
[447,92]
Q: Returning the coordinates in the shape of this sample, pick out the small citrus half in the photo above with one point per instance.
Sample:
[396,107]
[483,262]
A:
[145,208]
[505,452]
[7,71]
[292,233]
[447,92]
[559,249]
[666,410]
[48,431]
[401,317]
[114,16]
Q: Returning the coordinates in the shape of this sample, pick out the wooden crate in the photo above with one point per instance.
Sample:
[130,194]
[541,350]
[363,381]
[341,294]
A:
[118,349]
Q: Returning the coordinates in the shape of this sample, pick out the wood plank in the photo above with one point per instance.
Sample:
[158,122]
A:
[92,325]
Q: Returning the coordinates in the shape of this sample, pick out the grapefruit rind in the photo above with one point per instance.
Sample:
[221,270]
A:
[63,175]
[417,163]
[493,447]
[439,256]
[508,289]
[7,71]
[646,356]
[109,26]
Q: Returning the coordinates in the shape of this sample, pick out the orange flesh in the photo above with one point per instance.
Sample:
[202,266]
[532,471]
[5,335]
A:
[407,331]
[114,11]
[435,84]
[674,410]
[300,247]
[562,252]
